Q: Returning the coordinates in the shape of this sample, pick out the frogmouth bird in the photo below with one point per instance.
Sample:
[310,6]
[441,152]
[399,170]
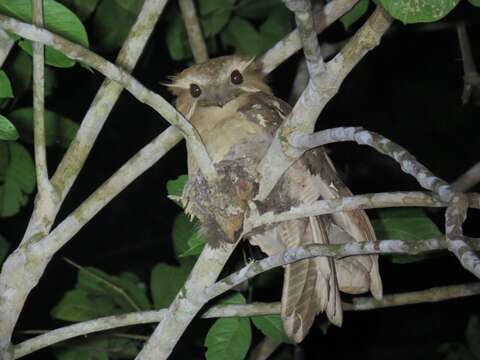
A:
[231,106]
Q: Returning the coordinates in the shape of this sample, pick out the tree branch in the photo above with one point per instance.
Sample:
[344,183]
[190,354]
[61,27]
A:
[295,254]
[467,180]
[187,302]
[46,195]
[308,36]
[321,207]
[431,295]
[155,101]
[454,218]
[194,31]
[407,161]
[471,78]
[281,154]
[291,43]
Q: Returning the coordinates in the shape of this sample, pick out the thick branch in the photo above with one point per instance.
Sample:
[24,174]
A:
[290,44]
[194,31]
[187,303]
[280,154]
[308,35]
[158,103]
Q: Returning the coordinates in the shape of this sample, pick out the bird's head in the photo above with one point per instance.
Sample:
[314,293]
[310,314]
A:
[216,82]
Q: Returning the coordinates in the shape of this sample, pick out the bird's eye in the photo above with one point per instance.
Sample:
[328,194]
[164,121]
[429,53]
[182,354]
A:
[195,90]
[236,77]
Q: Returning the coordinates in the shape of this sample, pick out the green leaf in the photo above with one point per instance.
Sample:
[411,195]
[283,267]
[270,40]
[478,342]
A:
[175,188]
[125,290]
[98,348]
[355,13]
[187,237]
[405,224]
[5,86]
[81,305]
[418,11]
[4,246]
[177,41]
[475,2]
[17,177]
[271,326]
[214,15]
[99,294]
[243,36]
[473,335]
[58,19]
[166,281]
[59,130]
[7,130]
[229,338]
[255,9]
[112,22]
[275,27]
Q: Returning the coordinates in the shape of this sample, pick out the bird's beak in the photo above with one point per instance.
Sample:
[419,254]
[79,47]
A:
[220,103]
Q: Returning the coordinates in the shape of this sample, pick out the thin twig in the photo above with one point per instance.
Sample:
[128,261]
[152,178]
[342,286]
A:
[194,31]
[308,36]
[45,191]
[321,207]
[431,295]
[471,77]
[291,43]
[313,250]
[155,101]
[407,161]
[468,180]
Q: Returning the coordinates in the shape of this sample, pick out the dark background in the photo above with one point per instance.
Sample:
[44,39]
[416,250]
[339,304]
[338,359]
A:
[408,89]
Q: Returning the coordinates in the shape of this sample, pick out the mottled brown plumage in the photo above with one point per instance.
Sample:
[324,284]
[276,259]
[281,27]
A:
[227,100]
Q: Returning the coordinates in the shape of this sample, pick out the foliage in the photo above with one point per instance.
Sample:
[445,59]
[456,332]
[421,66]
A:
[228,26]
[58,18]
[405,224]
[229,337]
